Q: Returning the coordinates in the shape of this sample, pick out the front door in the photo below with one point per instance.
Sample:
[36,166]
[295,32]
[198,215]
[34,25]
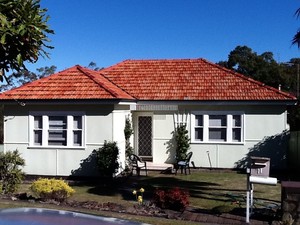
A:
[145,137]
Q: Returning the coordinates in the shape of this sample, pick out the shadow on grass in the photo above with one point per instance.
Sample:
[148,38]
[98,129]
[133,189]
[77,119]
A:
[197,189]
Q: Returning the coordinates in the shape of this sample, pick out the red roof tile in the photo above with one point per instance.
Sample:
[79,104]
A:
[178,79]
[73,83]
[187,79]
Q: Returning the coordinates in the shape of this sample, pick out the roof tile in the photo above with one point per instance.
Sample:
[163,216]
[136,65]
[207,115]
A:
[177,79]
[193,79]
[73,83]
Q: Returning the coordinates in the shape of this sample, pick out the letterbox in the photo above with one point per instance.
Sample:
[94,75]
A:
[259,166]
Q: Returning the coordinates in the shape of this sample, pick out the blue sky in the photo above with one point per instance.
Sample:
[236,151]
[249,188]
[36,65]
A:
[109,31]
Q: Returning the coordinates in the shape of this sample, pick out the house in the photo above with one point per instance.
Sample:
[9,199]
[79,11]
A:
[56,122]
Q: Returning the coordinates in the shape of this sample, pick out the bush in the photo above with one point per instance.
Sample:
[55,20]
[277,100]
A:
[182,142]
[107,159]
[175,199]
[10,173]
[51,189]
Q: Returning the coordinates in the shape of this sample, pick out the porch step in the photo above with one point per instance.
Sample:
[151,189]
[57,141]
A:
[158,166]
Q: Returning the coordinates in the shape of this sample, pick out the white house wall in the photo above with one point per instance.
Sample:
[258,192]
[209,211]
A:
[107,122]
[261,122]
[101,124]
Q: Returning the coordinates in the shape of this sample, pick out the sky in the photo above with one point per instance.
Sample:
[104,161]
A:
[109,31]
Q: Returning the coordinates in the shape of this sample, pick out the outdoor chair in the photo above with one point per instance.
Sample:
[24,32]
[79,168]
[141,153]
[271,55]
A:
[184,164]
[137,164]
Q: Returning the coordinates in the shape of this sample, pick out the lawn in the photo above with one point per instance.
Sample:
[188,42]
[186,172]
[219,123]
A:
[207,190]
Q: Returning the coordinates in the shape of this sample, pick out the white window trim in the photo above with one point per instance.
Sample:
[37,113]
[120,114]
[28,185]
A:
[45,115]
[229,115]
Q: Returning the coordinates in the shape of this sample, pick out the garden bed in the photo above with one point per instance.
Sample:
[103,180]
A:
[235,216]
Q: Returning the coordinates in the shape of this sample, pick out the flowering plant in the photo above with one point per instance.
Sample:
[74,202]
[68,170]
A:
[139,195]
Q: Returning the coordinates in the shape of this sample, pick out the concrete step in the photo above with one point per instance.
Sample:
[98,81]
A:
[159,166]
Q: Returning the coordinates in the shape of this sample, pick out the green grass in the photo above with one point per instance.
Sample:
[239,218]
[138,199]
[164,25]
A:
[207,189]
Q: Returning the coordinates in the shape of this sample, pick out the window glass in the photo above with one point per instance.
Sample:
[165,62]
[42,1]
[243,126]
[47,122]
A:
[217,120]
[38,122]
[77,138]
[217,134]
[236,120]
[57,122]
[38,137]
[236,135]
[199,134]
[77,122]
[57,137]
[199,120]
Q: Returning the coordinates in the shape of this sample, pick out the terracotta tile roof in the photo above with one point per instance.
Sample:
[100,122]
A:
[178,79]
[187,79]
[73,83]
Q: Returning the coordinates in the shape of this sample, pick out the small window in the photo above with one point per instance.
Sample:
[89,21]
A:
[77,131]
[236,128]
[38,130]
[199,127]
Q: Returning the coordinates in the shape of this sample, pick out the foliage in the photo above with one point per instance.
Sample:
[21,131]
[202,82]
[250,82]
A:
[182,141]
[93,66]
[175,199]
[24,76]
[262,67]
[107,159]
[54,189]
[10,173]
[139,195]
[296,38]
[23,33]
[128,131]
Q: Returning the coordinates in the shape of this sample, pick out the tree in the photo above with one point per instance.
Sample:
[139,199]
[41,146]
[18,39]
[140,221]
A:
[25,76]
[262,67]
[93,66]
[23,34]
[10,173]
[296,38]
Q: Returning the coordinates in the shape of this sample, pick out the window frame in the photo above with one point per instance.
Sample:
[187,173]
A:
[70,115]
[229,127]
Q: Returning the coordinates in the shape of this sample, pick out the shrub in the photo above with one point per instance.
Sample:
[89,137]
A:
[54,189]
[10,173]
[175,199]
[107,159]
[128,131]
[182,142]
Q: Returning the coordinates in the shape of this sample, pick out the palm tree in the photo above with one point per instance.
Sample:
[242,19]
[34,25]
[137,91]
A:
[296,39]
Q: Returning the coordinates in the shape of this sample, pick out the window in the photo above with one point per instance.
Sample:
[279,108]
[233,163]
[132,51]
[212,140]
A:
[199,127]
[38,130]
[217,127]
[57,129]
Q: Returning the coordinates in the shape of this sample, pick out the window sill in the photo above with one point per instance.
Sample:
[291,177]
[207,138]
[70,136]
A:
[218,143]
[57,147]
